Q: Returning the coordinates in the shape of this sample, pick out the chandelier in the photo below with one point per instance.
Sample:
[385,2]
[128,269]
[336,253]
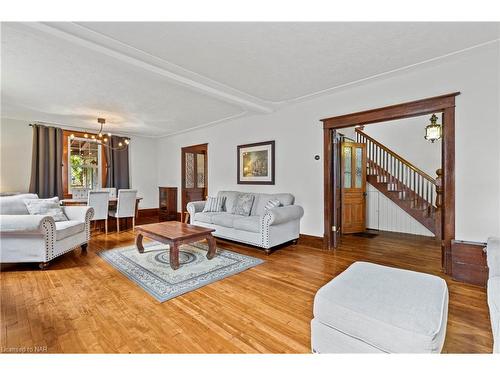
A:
[104,139]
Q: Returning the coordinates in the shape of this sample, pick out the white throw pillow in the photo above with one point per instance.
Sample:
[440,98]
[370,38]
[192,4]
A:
[271,204]
[214,204]
[48,207]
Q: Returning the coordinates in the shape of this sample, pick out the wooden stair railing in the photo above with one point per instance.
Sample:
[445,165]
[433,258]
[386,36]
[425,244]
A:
[404,183]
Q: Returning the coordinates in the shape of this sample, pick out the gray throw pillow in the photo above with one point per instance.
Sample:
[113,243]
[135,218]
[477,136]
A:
[48,207]
[271,204]
[243,204]
[214,204]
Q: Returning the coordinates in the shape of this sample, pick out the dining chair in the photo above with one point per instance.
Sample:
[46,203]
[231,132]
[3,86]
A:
[111,191]
[125,207]
[80,193]
[99,201]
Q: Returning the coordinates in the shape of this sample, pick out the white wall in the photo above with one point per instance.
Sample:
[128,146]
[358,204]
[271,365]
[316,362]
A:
[15,155]
[298,136]
[15,161]
[406,138]
[384,214]
[143,165]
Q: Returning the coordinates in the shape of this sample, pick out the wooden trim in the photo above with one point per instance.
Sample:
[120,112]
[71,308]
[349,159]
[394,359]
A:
[448,179]
[444,104]
[311,241]
[328,186]
[147,212]
[393,112]
[273,163]
[104,162]
[396,155]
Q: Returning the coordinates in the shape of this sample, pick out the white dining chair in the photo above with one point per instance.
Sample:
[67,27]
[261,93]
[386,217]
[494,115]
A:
[99,201]
[125,207]
[111,191]
[80,193]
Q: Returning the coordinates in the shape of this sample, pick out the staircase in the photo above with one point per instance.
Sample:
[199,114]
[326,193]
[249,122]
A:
[410,188]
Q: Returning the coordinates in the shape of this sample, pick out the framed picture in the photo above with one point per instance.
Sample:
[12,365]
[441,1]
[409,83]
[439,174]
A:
[256,163]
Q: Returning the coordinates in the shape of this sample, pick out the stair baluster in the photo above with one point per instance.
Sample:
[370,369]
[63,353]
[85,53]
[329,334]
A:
[404,183]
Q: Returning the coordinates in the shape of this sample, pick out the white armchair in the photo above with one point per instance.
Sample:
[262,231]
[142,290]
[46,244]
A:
[37,238]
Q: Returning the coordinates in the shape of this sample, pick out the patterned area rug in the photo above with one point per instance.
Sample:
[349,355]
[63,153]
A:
[152,272]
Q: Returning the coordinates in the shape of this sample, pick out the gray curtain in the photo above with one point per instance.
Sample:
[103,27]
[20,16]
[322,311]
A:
[46,162]
[117,175]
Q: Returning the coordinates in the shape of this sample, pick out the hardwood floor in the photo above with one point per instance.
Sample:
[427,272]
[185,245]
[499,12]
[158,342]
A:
[81,304]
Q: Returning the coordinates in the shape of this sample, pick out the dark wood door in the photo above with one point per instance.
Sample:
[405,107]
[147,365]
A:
[194,162]
[353,176]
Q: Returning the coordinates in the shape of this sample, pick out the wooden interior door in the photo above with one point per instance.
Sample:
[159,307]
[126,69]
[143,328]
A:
[194,162]
[353,192]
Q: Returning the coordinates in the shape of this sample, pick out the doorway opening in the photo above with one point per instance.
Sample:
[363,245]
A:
[344,167]
[194,167]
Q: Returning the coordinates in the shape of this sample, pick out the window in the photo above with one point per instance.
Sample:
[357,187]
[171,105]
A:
[84,161]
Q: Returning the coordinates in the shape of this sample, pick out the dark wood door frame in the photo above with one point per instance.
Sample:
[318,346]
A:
[201,148]
[444,104]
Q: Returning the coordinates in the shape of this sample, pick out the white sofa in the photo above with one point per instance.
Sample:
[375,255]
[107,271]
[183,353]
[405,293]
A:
[370,308]
[263,228]
[493,258]
[37,238]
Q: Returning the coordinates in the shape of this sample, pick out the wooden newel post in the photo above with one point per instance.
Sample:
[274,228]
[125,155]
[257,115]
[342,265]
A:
[439,203]
[439,189]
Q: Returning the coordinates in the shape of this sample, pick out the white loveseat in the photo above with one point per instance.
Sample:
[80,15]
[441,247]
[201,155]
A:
[493,257]
[37,238]
[263,228]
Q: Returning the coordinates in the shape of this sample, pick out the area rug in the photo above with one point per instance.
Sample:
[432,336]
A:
[152,272]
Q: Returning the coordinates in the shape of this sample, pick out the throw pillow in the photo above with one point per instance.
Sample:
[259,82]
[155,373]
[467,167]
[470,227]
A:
[214,204]
[243,204]
[271,204]
[49,207]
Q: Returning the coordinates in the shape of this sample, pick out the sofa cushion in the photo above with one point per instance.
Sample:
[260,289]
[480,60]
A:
[230,199]
[259,205]
[224,219]
[243,204]
[49,207]
[68,228]
[494,306]
[249,224]
[14,205]
[394,310]
[205,217]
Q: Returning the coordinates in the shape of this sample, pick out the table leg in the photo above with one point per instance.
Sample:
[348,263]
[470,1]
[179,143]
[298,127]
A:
[174,255]
[212,246]
[138,243]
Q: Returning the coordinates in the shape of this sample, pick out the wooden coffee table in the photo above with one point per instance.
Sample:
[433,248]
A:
[174,233]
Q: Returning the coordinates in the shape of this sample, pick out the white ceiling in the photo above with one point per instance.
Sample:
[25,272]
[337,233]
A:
[162,78]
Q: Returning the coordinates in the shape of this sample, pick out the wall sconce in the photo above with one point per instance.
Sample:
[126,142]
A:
[433,131]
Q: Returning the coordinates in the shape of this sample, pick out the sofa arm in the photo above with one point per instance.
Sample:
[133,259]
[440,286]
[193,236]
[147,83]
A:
[279,215]
[79,213]
[493,256]
[194,207]
[27,224]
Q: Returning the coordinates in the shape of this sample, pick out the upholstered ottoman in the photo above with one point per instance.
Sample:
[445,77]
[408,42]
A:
[375,309]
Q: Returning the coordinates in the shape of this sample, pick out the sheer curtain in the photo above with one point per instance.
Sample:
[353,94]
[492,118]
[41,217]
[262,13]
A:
[46,164]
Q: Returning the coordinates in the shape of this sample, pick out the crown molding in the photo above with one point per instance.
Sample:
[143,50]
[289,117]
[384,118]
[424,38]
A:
[98,42]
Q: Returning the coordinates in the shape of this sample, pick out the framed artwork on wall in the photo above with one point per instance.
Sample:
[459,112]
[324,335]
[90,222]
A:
[256,163]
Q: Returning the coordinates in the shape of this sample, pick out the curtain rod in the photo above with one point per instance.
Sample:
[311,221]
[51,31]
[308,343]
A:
[81,130]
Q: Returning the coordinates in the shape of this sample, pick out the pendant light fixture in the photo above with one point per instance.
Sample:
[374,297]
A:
[433,131]
[104,139]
